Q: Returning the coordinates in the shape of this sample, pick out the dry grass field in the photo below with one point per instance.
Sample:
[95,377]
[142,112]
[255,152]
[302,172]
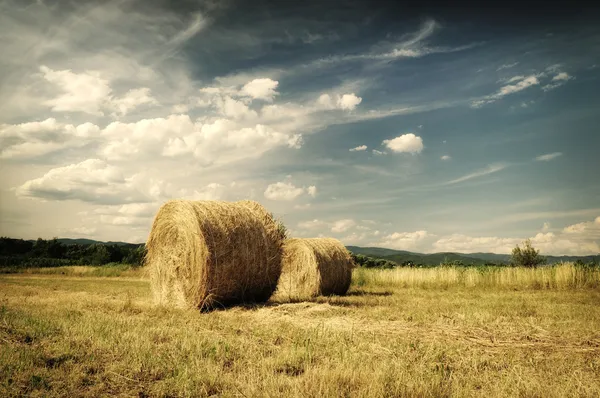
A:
[81,331]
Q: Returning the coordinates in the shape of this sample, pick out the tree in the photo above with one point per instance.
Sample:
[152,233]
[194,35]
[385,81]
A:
[97,254]
[527,256]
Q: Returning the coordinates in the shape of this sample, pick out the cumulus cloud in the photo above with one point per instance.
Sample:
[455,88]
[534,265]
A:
[404,240]
[312,224]
[577,239]
[358,148]
[468,244]
[81,92]
[342,225]
[233,108]
[344,102]
[132,99]
[89,92]
[92,181]
[287,191]
[213,191]
[263,89]
[446,157]
[221,140]
[548,156]
[283,191]
[349,101]
[376,152]
[408,143]
[35,139]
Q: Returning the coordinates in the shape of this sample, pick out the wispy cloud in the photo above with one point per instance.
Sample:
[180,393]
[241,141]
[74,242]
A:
[492,168]
[548,156]
[558,80]
[507,66]
[547,215]
[521,84]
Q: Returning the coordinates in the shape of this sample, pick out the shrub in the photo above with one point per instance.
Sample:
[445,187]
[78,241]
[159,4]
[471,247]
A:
[527,256]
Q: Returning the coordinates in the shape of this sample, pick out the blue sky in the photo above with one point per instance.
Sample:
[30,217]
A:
[429,129]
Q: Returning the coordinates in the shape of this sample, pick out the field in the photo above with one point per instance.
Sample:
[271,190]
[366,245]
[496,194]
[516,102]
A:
[443,332]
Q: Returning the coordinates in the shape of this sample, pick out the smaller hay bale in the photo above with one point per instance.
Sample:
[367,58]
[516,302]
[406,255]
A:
[313,267]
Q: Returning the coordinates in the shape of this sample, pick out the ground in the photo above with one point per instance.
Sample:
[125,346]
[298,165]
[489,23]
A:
[82,335]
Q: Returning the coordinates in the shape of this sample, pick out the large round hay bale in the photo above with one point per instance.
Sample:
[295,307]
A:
[315,266]
[203,254]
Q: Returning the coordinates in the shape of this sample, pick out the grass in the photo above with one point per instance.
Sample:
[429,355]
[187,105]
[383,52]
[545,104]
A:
[403,332]
[108,270]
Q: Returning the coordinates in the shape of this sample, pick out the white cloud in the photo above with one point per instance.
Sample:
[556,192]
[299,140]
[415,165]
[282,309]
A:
[546,227]
[81,92]
[358,148]
[492,168]
[93,181]
[548,156]
[302,207]
[221,140]
[576,239]
[467,244]
[515,79]
[213,191]
[562,76]
[376,152]
[197,24]
[264,89]
[348,101]
[35,139]
[584,228]
[446,157]
[558,80]
[342,225]
[132,99]
[506,66]
[230,107]
[403,240]
[283,191]
[312,191]
[312,224]
[325,101]
[522,84]
[408,143]
[83,231]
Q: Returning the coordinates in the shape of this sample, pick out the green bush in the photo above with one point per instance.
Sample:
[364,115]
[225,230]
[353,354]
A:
[527,256]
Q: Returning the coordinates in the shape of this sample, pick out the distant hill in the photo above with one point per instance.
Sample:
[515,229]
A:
[83,241]
[401,256]
[376,251]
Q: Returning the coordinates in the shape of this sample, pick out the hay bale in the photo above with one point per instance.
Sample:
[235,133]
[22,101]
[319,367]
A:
[203,254]
[312,267]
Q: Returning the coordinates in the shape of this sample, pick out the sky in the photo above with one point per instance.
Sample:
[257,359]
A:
[423,128]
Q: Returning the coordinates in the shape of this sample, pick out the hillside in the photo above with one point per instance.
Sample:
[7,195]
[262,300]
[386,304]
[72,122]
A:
[402,256]
[83,241]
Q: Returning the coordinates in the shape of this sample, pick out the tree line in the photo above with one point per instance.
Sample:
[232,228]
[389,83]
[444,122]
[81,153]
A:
[53,253]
